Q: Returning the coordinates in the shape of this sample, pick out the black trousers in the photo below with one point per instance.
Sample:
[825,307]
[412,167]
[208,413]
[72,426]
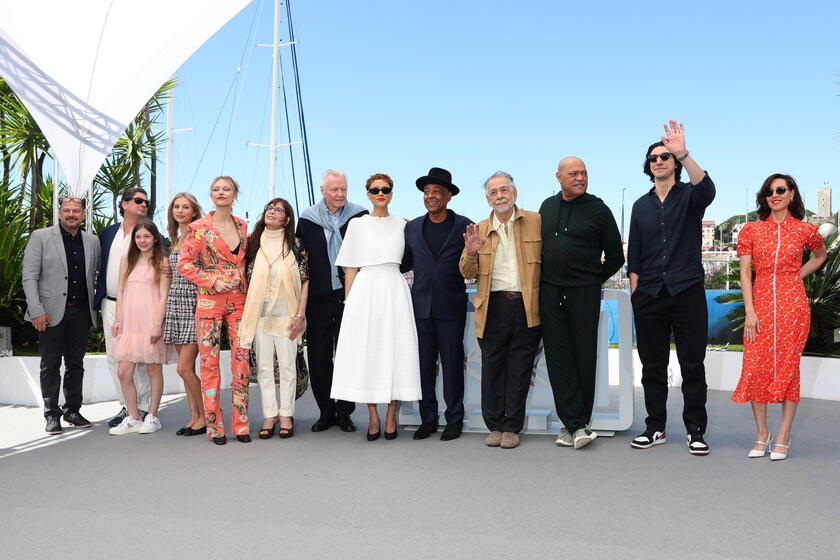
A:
[445,338]
[687,316]
[323,321]
[67,340]
[508,349]
[569,317]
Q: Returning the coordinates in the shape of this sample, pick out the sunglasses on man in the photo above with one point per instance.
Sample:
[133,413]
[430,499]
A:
[663,156]
[137,200]
[377,190]
[779,191]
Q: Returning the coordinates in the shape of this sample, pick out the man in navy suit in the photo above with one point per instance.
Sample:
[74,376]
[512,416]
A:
[433,246]
[115,241]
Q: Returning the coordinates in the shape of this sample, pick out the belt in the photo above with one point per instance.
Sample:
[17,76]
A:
[111,298]
[506,295]
[73,303]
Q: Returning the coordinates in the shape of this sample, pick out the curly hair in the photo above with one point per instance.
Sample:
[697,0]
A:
[375,176]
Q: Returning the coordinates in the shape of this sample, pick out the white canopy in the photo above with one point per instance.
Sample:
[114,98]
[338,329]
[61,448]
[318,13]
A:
[85,69]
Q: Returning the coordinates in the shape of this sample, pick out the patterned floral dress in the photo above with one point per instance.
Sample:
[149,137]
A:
[770,371]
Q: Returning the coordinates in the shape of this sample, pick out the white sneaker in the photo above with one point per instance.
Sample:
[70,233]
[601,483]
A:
[584,437]
[150,425]
[128,425]
[564,438]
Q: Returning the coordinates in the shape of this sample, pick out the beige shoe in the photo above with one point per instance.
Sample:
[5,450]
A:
[510,440]
[493,439]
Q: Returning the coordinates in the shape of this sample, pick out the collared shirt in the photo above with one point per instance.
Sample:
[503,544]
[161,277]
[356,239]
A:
[119,248]
[505,275]
[335,219]
[74,248]
[665,237]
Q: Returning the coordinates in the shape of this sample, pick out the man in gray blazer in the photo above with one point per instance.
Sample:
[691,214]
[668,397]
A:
[59,273]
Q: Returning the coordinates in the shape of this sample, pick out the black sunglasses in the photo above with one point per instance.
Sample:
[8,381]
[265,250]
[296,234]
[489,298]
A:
[138,200]
[377,190]
[779,191]
[663,156]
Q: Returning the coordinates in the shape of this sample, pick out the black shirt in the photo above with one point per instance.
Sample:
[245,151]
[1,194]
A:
[435,234]
[665,237]
[76,284]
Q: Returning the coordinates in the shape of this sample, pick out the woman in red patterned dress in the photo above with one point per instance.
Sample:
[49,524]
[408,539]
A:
[777,313]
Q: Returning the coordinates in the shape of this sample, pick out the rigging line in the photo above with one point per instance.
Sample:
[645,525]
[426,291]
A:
[266,98]
[213,131]
[90,85]
[302,121]
[291,148]
[249,49]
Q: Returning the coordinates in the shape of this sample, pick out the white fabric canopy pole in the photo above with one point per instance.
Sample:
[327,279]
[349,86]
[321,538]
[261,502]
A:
[82,75]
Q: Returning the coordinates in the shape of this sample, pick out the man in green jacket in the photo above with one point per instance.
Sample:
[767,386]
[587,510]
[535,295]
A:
[577,230]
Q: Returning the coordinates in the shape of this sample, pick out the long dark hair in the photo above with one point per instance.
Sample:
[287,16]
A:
[649,173]
[158,254]
[288,231]
[796,208]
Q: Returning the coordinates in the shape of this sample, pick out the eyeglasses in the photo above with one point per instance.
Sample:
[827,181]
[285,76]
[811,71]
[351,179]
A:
[275,209]
[663,156]
[377,190]
[137,200]
[77,199]
[779,191]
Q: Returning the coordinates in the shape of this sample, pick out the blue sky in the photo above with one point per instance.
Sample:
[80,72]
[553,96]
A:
[481,86]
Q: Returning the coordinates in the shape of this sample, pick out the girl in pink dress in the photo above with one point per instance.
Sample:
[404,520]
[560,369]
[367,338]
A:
[141,310]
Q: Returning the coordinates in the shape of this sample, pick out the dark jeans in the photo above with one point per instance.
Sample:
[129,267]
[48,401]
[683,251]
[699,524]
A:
[686,315]
[569,317]
[323,321]
[508,349]
[68,339]
[439,336]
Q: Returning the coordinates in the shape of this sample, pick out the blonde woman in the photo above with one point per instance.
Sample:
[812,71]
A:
[179,328]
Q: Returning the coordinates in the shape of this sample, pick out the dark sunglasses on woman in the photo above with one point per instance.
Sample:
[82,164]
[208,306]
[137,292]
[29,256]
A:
[779,191]
[383,190]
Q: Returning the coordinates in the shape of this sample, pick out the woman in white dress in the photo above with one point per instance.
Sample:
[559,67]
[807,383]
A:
[376,359]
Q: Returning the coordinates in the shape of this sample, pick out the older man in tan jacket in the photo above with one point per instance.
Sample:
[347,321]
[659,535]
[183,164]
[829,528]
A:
[503,253]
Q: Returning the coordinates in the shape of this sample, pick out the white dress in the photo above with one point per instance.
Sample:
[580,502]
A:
[376,360]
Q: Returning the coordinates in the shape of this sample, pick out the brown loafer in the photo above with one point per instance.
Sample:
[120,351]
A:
[493,439]
[510,440]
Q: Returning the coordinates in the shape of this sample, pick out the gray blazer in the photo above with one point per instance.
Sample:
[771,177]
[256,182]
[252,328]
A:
[45,273]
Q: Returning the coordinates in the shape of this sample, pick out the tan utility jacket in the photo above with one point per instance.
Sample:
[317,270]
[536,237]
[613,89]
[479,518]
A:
[528,237]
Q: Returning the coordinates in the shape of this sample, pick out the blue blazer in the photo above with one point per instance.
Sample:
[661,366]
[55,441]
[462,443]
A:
[106,238]
[438,283]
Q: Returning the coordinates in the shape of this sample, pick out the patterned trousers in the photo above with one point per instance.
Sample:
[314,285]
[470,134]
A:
[211,312]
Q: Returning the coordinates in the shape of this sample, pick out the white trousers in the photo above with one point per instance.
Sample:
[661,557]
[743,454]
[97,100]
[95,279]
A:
[265,347]
[141,376]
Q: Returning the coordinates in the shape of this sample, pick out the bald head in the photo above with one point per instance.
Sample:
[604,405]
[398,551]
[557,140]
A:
[572,176]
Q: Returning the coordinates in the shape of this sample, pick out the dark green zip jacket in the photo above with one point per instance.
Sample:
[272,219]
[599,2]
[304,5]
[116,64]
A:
[575,234]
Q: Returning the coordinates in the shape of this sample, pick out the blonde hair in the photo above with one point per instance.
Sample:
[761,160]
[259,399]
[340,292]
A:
[173,227]
[230,180]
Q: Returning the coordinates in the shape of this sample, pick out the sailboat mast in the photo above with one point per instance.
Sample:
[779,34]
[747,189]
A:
[275,101]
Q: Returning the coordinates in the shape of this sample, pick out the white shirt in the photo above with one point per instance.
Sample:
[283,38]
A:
[119,248]
[505,274]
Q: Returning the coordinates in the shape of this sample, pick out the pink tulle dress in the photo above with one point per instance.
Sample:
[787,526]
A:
[140,300]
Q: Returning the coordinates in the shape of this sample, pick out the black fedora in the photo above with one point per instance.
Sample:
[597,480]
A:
[438,176]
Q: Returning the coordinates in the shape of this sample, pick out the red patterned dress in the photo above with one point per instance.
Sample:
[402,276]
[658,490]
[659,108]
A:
[770,372]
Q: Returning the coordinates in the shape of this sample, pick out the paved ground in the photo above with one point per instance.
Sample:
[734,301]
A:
[85,494]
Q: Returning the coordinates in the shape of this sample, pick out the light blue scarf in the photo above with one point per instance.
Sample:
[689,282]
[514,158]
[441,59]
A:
[320,215]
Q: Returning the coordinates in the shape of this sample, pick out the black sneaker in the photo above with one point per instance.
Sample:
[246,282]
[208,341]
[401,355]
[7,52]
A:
[74,418]
[696,444]
[648,439]
[116,420]
[53,425]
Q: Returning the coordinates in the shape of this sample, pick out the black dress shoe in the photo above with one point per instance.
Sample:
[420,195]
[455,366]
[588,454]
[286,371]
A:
[323,424]
[346,425]
[53,425]
[452,431]
[74,418]
[244,438]
[117,420]
[194,432]
[220,440]
[425,430]
[181,431]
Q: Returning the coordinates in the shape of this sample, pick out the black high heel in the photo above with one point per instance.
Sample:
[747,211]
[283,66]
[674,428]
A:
[391,435]
[373,437]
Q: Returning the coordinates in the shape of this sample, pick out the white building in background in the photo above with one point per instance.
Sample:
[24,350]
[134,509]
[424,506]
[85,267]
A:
[708,235]
[736,229]
[824,202]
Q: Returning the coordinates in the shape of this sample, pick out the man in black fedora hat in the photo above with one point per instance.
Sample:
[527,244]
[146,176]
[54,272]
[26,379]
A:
[433,246]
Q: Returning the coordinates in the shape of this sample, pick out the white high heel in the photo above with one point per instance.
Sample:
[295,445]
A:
[780,456]
[754,453]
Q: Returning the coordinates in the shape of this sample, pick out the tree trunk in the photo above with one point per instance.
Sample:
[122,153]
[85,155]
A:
[36,214]
[152,164]
[4,154]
